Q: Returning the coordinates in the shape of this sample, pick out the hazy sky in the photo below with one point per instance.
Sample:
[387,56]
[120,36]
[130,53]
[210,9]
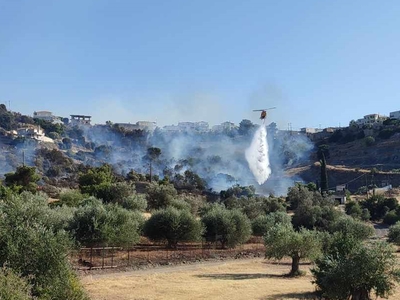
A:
[321,63]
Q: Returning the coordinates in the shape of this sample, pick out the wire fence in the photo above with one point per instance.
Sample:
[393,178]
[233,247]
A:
[157,255]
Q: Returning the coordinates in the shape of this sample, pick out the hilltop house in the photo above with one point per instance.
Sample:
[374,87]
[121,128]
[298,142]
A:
[46,116]
[80,120]
[371,119]
[33,132]
[340,194]
[395,115]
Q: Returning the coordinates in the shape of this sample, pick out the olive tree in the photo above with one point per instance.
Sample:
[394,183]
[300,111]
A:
[352,269]
[283,241]
[160,195]
[97,224]
[263,223]
[33,245]
[174,226]
[229,227]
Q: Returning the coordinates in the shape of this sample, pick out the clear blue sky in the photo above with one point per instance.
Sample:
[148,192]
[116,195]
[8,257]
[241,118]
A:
[320,62]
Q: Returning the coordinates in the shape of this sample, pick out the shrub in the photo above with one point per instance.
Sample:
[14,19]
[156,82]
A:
[353,270]
[32,245]
[369,141]
[350,227]
[391,218]
[160,196]
[135,202]
[71,198]
[230,227]
[174,226]
[98,224]
[394,234]
[12,286]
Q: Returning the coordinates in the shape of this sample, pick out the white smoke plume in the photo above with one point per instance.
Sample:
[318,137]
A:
[257,156]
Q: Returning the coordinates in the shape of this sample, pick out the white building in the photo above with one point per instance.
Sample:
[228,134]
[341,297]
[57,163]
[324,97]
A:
[80,120]
[194,126]
[33,132]
[395,115]
[224,127]
[310,130]
[371,119]
[44,115]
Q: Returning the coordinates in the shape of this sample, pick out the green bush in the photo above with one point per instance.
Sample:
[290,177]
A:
[174,226]
[135,202]
[391,218]
[350,227]
[369,141]
[32,245]
[72,198]
[394,234]
[160,196]
[13,287]
[259,226]
[97,224]
[229,227]
[353,269]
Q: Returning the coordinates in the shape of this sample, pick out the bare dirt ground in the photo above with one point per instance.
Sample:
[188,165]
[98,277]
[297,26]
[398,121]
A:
[233,279]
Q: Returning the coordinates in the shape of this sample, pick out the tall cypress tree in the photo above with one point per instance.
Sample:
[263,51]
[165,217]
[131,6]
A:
[324,175]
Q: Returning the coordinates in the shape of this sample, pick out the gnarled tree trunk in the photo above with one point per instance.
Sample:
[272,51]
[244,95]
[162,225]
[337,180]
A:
[360,294]
[295,265]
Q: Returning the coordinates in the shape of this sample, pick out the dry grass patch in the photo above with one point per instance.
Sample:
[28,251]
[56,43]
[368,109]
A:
[244,279]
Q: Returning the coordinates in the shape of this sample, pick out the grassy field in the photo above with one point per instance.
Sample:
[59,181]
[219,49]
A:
[240,279]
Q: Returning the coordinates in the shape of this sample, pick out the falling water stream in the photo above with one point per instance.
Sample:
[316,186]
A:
[257,156]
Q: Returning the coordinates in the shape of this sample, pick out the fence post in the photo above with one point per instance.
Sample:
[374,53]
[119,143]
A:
[112,257]
[129,257]
[102,258]
[91,255]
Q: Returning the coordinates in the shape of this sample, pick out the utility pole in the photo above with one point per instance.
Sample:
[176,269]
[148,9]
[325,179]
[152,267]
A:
[23,158]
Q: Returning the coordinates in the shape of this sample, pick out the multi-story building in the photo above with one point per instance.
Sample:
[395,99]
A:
[80,120]
[193,126]
[224,127]
[395,115]
[371,119]
[310,130]
[44,115]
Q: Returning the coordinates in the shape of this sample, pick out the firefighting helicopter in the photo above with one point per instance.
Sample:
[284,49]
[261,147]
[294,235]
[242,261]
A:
[264,112]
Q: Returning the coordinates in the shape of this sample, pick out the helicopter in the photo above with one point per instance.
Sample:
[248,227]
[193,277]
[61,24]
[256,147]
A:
[264,112]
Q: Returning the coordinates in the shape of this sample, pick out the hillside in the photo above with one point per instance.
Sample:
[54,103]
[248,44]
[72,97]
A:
[352,162]
[217,157]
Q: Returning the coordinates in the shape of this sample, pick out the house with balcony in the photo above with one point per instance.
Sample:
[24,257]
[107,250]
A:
[370,120]
[194,126]
[80,120]
[33,132]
